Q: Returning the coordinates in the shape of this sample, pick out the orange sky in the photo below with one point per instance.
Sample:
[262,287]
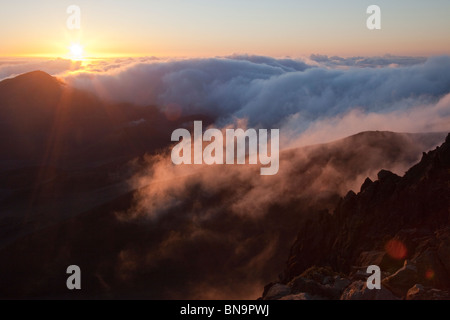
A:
[208,28]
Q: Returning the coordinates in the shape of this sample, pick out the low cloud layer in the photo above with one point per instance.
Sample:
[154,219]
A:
[367,62]
[299,96]
[286,93]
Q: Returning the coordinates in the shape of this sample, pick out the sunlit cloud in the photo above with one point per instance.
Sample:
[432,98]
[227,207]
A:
[319,100]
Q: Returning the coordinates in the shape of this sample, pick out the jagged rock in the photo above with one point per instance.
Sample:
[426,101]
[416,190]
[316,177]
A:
[384,175]
[277,291]
[398,223]
[315,246]
[401,208]
[358,291]
[366,184]
[419,292]
[402,280]
[350,195]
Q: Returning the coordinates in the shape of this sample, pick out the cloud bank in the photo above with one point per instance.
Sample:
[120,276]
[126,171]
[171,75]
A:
[293,95]
[298,96]
[367,62]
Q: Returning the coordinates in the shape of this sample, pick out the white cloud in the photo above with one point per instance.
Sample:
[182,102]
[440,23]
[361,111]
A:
[287,93]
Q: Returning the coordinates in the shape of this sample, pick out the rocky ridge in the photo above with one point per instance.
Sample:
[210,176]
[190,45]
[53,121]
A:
[399,223]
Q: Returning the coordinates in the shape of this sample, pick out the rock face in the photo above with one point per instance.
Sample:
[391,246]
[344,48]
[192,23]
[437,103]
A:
[401,224]
[313,284]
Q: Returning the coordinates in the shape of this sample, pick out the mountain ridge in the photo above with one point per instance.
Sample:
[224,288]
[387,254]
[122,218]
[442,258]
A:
[398,223]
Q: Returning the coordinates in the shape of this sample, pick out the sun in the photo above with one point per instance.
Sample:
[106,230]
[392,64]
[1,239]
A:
[76,51]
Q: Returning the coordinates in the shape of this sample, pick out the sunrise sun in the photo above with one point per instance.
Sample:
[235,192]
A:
[76,51]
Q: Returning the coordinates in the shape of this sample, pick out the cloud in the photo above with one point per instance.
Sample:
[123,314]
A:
[288,65]
[367,62]
[434,117]
[114,65]
[295,94]
[272,92]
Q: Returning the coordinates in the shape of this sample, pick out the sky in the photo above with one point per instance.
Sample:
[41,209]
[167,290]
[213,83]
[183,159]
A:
[202,28]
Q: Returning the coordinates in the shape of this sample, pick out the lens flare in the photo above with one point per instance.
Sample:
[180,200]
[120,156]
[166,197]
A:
[396,249]
[429,274]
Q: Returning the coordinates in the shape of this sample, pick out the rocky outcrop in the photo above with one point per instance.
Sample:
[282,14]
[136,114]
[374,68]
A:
[313,284]
[419,292]
[399,223]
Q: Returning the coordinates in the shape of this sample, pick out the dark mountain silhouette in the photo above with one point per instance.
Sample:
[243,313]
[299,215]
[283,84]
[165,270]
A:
[401,224]
[48,122]
[62,148]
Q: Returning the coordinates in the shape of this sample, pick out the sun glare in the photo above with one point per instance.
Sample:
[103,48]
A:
[76,51]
